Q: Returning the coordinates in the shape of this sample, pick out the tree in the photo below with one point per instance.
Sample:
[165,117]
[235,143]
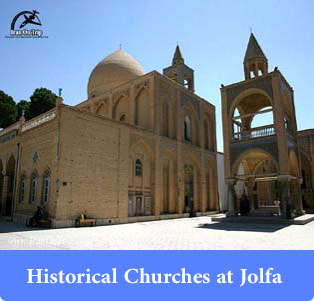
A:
[8,110]
[23,105]
[42,101]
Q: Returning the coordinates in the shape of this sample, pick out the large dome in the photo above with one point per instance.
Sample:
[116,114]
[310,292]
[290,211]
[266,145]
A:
[112,71]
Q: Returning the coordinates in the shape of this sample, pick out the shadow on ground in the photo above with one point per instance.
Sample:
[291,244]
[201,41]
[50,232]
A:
[246,227]
[10,227]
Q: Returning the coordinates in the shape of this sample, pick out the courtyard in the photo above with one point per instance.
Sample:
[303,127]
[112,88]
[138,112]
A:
[198,233]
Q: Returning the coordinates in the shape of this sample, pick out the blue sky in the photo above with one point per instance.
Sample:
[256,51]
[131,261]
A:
[213,36]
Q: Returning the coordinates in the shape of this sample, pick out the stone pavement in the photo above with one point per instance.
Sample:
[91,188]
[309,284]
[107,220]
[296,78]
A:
[181,234]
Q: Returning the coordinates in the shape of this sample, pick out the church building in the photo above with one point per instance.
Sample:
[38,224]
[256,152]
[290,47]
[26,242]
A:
[141,147]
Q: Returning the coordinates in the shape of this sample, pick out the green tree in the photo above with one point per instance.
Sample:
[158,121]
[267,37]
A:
[42,101]
[23,105]
[7,110]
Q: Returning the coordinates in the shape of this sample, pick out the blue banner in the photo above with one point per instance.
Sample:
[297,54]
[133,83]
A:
[157,275]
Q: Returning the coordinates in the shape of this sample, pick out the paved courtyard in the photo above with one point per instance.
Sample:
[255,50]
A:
[184,234]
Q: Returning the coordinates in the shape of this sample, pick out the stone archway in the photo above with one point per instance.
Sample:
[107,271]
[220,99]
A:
[251,116]
[257,170]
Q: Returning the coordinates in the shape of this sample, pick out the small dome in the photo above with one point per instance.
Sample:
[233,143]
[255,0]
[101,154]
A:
[113,70]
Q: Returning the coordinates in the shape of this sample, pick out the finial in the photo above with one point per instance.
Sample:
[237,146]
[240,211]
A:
[60,92]
[120,46]
[177,43]
[22,120]
[251,30]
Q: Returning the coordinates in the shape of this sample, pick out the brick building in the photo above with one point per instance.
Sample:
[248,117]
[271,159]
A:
[141,147]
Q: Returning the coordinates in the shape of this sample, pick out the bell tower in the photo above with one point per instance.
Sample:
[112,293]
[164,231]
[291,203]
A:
[179,72]
[255,62]
[261,152]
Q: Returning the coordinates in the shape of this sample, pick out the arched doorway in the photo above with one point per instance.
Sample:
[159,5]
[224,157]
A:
[9,183]
[256,173]
[266,187]
[189,188]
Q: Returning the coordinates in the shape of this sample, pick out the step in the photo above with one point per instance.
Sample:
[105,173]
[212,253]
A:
[300,220]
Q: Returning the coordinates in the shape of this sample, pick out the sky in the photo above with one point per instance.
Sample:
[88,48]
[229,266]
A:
[212,35]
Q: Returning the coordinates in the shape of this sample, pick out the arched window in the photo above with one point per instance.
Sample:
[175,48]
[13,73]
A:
[187,128]
[186,82]
[22,190]
[138,168]
[33,188]
[46,187]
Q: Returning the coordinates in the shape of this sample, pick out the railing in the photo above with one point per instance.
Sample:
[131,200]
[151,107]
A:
[254,133]
[18,126]
[43,118]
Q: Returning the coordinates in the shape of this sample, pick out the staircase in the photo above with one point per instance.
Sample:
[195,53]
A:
[265,211]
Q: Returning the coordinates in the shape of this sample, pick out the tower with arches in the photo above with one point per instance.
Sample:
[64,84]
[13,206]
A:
[260,138]
[179,72]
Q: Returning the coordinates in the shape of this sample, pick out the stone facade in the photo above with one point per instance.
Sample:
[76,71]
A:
[142,149]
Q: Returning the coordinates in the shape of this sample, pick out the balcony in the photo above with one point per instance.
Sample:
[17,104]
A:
[258,132]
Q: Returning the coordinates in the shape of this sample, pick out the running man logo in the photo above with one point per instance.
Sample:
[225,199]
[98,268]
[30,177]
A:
[20,26]
[29,18]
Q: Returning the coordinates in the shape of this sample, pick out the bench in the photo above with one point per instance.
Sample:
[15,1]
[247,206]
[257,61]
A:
[86,221]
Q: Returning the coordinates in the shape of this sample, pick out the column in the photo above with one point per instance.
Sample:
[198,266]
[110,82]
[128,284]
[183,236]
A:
[250,186]
[298,201]
[204,191]
[231,197]
[284,194]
